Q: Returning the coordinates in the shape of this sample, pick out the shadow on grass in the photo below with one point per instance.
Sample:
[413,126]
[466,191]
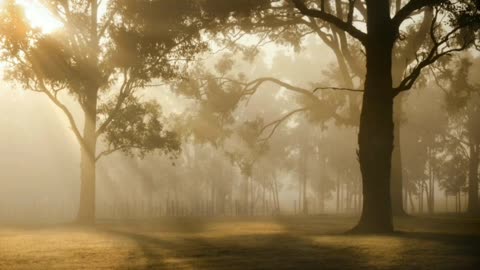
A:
[306,243]
[278,251]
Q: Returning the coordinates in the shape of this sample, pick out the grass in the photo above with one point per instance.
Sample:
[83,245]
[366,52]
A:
[250,243]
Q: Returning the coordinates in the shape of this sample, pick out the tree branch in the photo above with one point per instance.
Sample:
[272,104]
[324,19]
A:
[253,86]
[351,8]
[327,17]
[410,8]
[125,91]
[433,55]
[275,124]
[65,110]
[337,89]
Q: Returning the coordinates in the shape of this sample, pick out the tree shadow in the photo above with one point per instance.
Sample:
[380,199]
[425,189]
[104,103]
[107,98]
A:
[302,244]
[276,251]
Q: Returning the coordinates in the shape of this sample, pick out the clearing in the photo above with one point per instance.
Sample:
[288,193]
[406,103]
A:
[313,242]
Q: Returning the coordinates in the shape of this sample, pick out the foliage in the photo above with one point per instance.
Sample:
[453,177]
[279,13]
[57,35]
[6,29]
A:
[138,128]
[104,57]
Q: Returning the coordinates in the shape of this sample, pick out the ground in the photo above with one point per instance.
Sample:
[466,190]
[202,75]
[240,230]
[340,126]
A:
[314,242]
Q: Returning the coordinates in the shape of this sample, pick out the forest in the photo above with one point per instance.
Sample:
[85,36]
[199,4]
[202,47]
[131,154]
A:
[240,134]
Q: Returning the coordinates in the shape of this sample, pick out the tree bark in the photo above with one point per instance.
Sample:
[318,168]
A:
[304,182]
[459,197]
[376,123]
[412,204]
[473,204]
[431,188]
[86,211]
[420,198]
[338,194]
[397,176]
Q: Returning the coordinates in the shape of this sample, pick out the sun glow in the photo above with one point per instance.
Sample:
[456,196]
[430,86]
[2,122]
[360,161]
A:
[39,16]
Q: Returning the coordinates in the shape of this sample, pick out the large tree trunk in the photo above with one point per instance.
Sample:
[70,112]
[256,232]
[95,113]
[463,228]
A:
[376,123]
[473,204]
[86,211]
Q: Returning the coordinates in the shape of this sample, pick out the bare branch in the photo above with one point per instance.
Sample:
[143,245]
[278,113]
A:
[337,22]
[351,8]
[411,7]
[337,89]
[65,110]
[439,49]
[253,86]
[113,150]
[275,124]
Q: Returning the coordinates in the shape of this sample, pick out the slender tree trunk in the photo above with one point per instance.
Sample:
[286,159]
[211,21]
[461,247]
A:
[212,197]
[376,123]
[397,176]
[264,197]
[300,192]
[304,184]
[86,211]
[473,203]
[459,201]
[321,202]
[275,194]
[431,186]
[446,202]
[252,197]
[412,204]
[321,205]
[321,191]
[338,194]
[420,201]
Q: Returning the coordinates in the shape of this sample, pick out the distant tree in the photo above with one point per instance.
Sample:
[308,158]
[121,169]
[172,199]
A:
[463,105]
[453,176]
[246,152]
[423,146]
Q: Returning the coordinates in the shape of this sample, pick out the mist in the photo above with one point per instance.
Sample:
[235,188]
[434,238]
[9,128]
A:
[245,135]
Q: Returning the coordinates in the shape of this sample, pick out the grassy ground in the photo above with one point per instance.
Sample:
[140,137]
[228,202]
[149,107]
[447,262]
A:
[253,243]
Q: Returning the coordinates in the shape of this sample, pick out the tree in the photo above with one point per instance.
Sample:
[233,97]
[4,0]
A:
[463,105]
[453,176]
[101,59]
[422,142]
[453,28]
[376,123]
[280,23]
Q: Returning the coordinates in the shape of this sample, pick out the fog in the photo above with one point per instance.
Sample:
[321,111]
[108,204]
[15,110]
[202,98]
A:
[40,165]
[213,134]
